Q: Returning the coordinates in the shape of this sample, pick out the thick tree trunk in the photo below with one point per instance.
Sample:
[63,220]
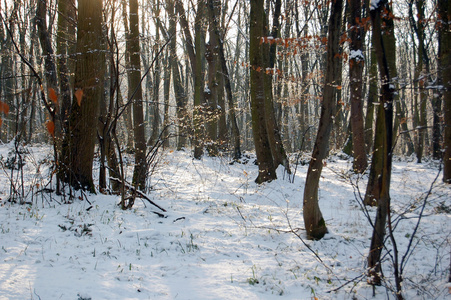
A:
[266,166]
[313,219]
[78,145]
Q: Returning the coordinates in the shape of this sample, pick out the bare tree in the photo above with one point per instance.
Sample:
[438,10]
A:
[313,219]
[265,160]
[382,157]
[444,17]
[356,64]
[78,145]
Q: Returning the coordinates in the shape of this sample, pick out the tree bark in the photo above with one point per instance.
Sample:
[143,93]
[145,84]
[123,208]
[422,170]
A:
[135,95]
[374,188]
[444,17]
[313,219]
[199,100]
[356,63]
[266,166]
[78,145]
[64,37]
[227,84]
[383,144]
[179,90]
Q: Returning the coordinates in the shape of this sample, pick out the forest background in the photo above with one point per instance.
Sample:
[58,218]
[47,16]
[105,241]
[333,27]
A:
[218,78]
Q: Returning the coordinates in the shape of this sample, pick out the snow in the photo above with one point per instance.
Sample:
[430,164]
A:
[374,4]
[356,55]
[224,237]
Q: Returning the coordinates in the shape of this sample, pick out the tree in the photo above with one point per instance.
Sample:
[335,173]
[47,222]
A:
[356,61]
[269,55]
[444,18]
[219,41]
[313,219]
[198,70]
[135,95]
[179,90]
[267,171]
[78,145]
[382,156]
[421,73]
[374,189]
[65,36]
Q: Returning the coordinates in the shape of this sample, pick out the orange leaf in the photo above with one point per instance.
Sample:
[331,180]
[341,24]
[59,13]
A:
[1,121]
[4,108]
[53,96]
[79,96]
[50,127]
[338,87]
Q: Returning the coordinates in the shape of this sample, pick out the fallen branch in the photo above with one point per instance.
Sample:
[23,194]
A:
[136,192]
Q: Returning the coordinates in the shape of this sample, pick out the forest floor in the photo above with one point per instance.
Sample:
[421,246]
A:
[223,236]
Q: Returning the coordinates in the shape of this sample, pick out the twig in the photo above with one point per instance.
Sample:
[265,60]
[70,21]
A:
[137,192]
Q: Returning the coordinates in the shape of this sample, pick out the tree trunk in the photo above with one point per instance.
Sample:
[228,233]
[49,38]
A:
[356,62]
[372,98]
[228,87]
[269,55]
[64,37]
[135,95]
[266,166]
[166,91]
[444,15]
[383,142]
[211,96]
[199,105]
[374,188]
[179,90]
[78,145]
[156,120]
[313,219]
[129,135]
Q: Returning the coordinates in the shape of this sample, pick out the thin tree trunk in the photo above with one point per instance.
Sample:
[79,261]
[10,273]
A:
[135,95]
[383,143]
[179,90]
[356,62]
[313,219]
[156,120]
[62,50]
[199,105]
[275,139]
[228,87]
[444,15]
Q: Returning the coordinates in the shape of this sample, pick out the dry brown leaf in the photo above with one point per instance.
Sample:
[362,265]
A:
[53,96]
[4,108]
[50,127]
[79,96]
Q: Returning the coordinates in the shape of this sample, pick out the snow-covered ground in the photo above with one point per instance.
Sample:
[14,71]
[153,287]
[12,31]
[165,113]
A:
[223,237]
